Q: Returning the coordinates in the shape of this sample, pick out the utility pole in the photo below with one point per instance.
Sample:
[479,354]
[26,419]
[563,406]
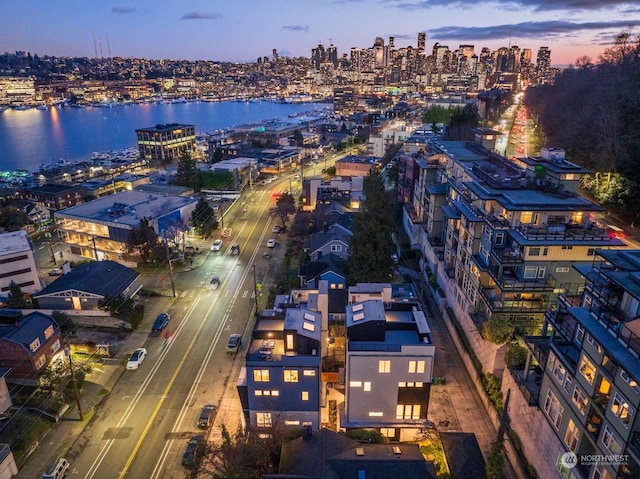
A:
[173,287]
[255,288]
[53,255]
[67,351]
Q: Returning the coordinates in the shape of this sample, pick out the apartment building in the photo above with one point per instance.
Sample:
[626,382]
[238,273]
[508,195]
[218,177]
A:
[17,263]
[509,233]
[590,390]
[100,229]
[279,386]
[164,143]
[347,190]
[389,361]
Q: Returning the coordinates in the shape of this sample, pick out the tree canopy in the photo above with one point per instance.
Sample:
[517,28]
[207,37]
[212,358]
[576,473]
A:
[371,245]
[187,173]
[203,218]
[285,207]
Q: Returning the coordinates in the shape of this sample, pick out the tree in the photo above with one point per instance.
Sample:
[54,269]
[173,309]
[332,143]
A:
[371,246]
[203,218]
[463,120]
[142,241]
[16,297]
[298,138]
[285,207]
[498,330]
[436,114]
[187,173]
[57,377]
[67,326]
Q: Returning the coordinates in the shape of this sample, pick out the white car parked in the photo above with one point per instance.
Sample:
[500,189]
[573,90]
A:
[136,358]
[271,243]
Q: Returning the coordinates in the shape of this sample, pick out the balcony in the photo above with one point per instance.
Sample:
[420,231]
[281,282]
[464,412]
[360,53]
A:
[563,232]
[513,302]
[507,256]
[568,351]
[510,279]
[528,384]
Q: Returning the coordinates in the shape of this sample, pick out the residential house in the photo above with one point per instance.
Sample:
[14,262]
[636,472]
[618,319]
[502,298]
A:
[87,286]
[28,346]
[333,240]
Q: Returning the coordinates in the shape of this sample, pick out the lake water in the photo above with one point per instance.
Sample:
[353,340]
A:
[33,137]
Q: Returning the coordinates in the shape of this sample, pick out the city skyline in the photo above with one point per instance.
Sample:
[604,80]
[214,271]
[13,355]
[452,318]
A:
[216,31]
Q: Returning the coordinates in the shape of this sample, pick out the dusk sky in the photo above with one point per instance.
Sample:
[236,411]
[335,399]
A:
[243,30]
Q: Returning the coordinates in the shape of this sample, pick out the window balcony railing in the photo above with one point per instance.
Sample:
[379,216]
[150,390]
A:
[563,232]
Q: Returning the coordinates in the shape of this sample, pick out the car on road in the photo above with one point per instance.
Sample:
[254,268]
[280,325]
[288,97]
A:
[136,358]
[276,229]
[55,272]
[235,250]
[217,245]
[206,416]
[161,322]
[193,451]
[233,345]
[271,243]
[214,283]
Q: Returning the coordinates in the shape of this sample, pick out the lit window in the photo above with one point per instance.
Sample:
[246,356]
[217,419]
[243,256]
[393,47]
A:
[261,375]
[290,376]
[630,381]
[263,419]
[384,366]
[35,344]
[355,384]
[308,372]
[588,369]
[572,436]
[621,409]
[367,386]
[408,411]
[388,431]
[305,395]
[375,414]
[275,393]
[610,441]
[41,361]
[48,332]
[416,367]
[55,346]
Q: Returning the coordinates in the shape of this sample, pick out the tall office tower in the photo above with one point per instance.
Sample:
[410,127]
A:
[332,55]
[514,59]
[318,56]
[464,56]
[379,53]
[422,41]
[391,42]
[543,64]
[356,59]
[442,57]
[526,67]
[502,59]
[274,55]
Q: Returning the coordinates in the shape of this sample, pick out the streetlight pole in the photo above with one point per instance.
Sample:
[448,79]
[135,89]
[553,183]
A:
[67,351]
[173,288]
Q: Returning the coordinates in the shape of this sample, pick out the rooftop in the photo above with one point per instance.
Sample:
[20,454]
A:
[14,242]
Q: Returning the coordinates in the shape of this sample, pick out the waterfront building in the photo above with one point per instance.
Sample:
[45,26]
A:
[165,143]
[590,390]
[389,361]
[17,263]
[100,229]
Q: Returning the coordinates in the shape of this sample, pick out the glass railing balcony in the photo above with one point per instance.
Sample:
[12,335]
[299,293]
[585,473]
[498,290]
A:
[563,232]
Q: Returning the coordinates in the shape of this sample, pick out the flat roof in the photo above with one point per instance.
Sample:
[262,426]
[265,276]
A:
[14,242]
[127,207]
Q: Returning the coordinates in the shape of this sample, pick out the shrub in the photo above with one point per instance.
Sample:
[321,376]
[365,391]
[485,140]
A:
[516,356]
[498,330]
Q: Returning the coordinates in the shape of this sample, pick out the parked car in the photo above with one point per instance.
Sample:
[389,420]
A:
[206,416]
[217,245]
[233,345]
[271,243]
[276,229]
[136,358]
[161,322]
[192,451]
[190,250]
[55,272]
[57,469]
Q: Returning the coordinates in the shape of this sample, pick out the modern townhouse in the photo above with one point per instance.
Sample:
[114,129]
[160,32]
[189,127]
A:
[590,390]
[389,362]
[279,385]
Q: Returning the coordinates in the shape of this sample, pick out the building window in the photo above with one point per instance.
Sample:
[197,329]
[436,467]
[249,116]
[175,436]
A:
[499,239]
[336,247]
[530,272]
[416,367]
[367,386]
[384,366]
[355,384]
[572,436]
[579,334]
[408,411]
[599,472]
[263,419]
[594,343]
[42,359]
[588,369]
[388,431]
[305,395]
[375,414]
[55,346]
[35,344]
[308,372]
[568,381]
[553,408]
[261,375]
[562,269]
[290,376]
[534,251]
[630,381]
[621,409]
[48,332]
[610,442]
